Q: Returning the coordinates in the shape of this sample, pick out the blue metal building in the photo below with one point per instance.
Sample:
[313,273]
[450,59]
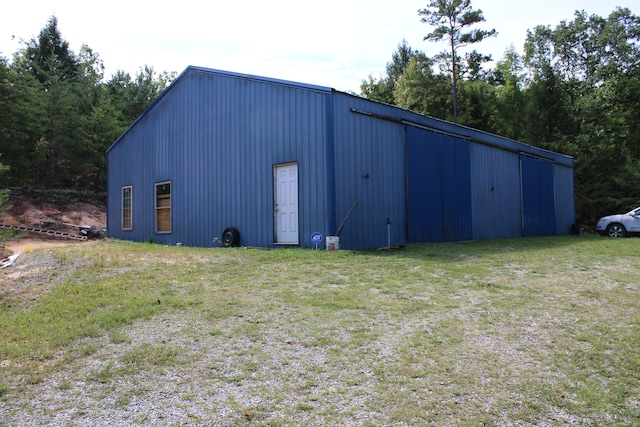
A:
[279,160]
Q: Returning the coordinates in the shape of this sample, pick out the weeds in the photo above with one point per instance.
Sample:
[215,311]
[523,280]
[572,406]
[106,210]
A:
[493,332]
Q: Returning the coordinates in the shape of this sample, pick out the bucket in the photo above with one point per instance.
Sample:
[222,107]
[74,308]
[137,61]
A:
[333,243]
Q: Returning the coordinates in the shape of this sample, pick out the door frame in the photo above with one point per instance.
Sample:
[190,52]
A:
[275,204]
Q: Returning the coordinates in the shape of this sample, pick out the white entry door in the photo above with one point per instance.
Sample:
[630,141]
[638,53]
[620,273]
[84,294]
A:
[286,200]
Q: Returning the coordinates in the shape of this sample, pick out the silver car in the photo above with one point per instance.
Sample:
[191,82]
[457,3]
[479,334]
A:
[620,225]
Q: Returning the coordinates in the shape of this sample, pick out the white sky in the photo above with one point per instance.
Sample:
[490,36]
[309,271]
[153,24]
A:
[334,43]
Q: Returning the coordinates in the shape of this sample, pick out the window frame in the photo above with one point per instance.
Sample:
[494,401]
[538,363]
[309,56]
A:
[124,208]
[159,209]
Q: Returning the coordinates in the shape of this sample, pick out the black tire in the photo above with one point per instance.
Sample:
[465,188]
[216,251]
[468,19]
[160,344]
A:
[230,237]
[616,230]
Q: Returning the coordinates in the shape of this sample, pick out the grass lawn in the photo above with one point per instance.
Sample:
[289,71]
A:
[534,331]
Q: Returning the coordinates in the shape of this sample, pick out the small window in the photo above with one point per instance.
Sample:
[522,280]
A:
[163,207]
[127,220]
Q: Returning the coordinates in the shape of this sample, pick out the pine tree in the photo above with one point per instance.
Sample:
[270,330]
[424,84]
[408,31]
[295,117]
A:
[450,18]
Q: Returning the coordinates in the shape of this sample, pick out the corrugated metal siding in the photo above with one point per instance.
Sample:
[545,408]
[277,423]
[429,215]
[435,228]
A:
[366,146]
[564,200]
[217,139]
[424,189]
[495,193]
[439,189]
[538,197]
[217,136]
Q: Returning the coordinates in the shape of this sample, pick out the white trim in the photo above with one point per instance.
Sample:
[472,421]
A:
[157,208]
[130,188]
[294,238]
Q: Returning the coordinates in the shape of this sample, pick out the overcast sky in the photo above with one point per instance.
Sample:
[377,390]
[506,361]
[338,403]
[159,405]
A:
[334,43]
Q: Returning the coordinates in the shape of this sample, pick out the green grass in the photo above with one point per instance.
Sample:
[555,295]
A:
[528,331]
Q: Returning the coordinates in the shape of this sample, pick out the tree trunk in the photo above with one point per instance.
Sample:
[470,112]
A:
[454,82]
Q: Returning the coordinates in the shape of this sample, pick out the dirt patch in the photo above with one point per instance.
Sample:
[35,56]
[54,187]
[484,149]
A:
[27,212]
[70,218]
[29,244]
[34,273]
[31,274]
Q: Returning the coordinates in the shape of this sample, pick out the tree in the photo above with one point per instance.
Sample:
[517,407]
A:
[58,116]
[382,89]
[63,101]
[450,18]
[508,78]
[477,101]
[473,69]
[419,89]
[585,90]
[131,96]
[4,195]
[378,89]
[399,61]
[37,54]
[22,114]
[100,128]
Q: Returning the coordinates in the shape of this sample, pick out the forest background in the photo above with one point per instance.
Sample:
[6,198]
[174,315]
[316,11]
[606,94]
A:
[575,90]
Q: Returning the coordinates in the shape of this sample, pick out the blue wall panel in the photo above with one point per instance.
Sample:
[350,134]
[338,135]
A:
[425,207]
[217,137]
[564,201]
[496,200]
[538,198]
[438,187]
[458,224]
[369,167]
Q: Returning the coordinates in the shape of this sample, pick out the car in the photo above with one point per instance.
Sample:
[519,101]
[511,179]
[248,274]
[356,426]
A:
[620,225]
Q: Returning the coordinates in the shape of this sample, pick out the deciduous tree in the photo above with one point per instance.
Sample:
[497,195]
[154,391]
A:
[421,90]
[509,79]
[382,89]
[585,73]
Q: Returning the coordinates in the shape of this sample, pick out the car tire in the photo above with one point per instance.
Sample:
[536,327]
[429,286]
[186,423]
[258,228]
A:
[230,237]
[616,230]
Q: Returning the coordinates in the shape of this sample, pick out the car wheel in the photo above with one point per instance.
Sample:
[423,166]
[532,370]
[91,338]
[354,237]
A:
[230,237]
[616,230]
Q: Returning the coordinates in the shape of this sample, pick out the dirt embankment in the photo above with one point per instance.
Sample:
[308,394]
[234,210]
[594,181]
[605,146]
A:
[57,217]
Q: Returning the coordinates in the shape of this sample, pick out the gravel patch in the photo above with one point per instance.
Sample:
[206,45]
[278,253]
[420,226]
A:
[209,380]
[35,273]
